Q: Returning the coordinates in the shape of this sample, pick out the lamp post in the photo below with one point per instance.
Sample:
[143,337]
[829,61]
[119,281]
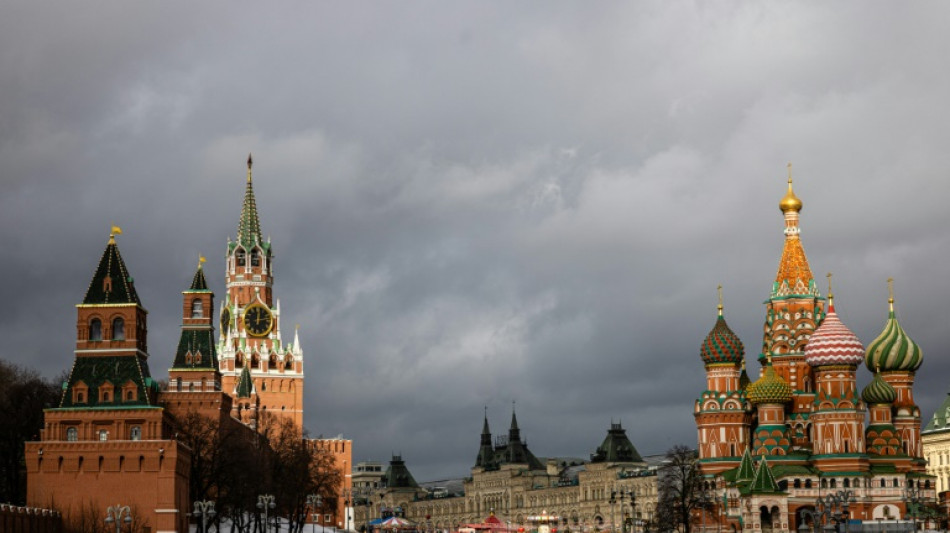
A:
[347,500]
[266,502]
[834,508]
[313,502]
[913,496]
[115,513]
[204,510]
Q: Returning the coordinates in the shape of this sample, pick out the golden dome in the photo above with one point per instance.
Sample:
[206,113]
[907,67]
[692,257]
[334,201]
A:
[790,202]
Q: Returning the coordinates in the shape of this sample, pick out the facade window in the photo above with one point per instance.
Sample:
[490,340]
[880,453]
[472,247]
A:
[255,257]
[135,433]
[129,395]
[103,434]
[118,329]
[240,257]
[72,434]
[95,330]
[197,308]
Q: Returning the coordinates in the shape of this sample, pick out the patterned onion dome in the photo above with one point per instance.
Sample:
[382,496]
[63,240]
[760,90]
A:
[893,349]
[770,388]
[722,345]
[878,391]
[833,343]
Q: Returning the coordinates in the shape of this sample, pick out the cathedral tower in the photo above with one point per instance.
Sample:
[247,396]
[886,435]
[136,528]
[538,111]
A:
[721,413]
[250,323]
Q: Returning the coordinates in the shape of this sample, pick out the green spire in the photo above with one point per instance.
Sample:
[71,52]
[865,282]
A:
[198,283]
[245,385]
[249,229]
[746,468]
[764,480]
[111,284]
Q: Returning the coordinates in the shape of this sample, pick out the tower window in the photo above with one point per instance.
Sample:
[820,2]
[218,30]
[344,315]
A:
[103,434]
[197,308]
[240,257]
[72,434]
[118,329]
[255,257]
[95,330]
[135,433]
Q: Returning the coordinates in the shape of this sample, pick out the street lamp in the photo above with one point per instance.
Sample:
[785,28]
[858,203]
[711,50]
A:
[114,515]
[264,503]
[913,496]
[204,509]
[347,499]
[834,508]
[314,501]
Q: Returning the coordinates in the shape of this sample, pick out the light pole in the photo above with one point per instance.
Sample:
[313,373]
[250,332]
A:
[204,509]
[114,515]
[265,502]
[913,496]
[835,507]
[314,501]
[347,499]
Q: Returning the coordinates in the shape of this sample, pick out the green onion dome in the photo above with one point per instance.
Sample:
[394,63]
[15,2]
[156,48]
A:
[878,391]
[770,388]
[893,350]
[721,345]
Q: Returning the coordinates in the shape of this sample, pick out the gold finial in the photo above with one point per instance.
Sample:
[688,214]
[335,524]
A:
[768,358]
[201,259]
[831,296]
[890,293]
[296,327]
[116,230]
[790,202]
[743,363]
[719,307]
[877,368]
[250,163]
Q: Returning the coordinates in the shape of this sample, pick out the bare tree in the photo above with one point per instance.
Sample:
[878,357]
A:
[679,482]
[23,396]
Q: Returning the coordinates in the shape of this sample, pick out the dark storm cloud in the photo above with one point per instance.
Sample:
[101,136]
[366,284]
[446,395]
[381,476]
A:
[478,203]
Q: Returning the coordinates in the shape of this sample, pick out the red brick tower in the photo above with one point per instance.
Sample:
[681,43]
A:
[250,323]
[110,433]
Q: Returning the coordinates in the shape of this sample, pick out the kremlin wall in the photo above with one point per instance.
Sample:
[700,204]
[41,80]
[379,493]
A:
[767,448]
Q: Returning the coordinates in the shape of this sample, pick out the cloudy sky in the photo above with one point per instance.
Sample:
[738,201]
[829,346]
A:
[474,203]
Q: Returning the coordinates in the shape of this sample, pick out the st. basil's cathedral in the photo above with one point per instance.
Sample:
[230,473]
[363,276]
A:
[769,448]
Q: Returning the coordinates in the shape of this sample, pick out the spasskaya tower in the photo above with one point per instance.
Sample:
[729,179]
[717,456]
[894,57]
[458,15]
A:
[262,373]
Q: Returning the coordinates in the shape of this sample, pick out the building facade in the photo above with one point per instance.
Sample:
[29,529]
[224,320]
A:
[769,448]
[509,482]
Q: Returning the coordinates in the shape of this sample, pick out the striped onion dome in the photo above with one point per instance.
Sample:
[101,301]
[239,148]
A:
[722,345]
[770,388]
[893,350]
[833,343]
[878,391]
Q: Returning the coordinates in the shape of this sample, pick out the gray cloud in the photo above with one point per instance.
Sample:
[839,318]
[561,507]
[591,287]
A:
[478,203]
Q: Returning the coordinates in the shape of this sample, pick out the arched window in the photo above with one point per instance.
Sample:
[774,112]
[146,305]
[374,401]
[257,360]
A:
[255,257]
[847,483]
[118,329]
[197,308]
[72,434]
[135,433]
[807,483]
[129,396]
[240,257]
[95,329]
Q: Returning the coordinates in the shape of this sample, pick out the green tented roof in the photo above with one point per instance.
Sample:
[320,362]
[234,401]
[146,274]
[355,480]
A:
[116,370]
[111,283]
[616,448]
[245,385]
[196,342]
[198,283]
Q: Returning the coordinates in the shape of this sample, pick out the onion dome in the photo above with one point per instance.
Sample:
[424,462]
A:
[790,202]
[770,388]
[878,391]
[893,350]
[833,343]
[721,345]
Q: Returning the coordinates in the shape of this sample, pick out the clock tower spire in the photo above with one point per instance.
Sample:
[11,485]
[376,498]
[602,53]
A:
[250,322]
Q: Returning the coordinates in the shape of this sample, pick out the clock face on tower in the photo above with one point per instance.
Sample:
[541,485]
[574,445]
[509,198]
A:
[258,320]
